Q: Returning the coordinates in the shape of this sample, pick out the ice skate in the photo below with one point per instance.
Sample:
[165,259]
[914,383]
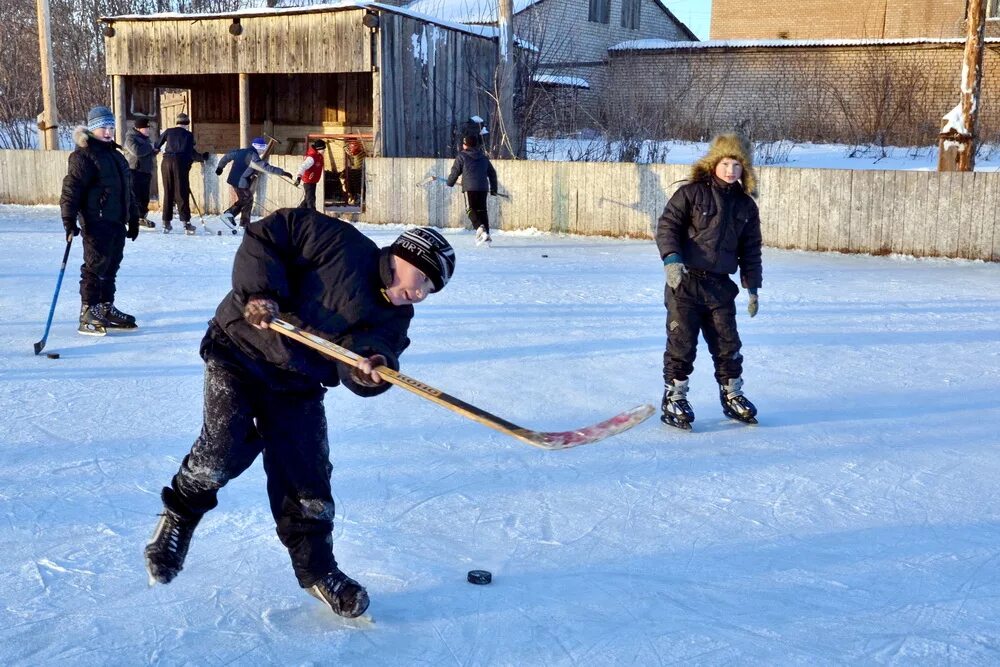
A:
[168,547]
[677,411]
[146,224]
[167,227]
[92,321]
[734,404]
[482,237]
[342,594]
[116,319]
[189,229]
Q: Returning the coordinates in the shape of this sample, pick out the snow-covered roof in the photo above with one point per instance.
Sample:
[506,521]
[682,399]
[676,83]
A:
[659,44]
[487,32]
[466,11]
[556,80]
[486,11]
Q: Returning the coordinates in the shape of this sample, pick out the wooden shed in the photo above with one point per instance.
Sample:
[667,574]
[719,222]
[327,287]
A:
[401,81]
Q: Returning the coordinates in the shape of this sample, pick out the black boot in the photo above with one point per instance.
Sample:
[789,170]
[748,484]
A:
[734,404]
[342,594]
[116,318]
[168,547]
[676,409]
[92,321]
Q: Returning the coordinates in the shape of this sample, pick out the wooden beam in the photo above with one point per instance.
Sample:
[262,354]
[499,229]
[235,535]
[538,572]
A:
[244,109]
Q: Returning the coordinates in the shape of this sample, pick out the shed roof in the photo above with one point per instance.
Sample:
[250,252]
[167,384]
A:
[488,32]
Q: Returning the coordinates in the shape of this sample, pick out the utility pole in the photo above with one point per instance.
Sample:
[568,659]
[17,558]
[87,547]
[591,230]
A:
[509,137]
[48,119]
[957,140]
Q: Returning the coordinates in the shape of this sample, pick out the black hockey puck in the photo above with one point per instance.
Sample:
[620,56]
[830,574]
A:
[218,233]
[52,355]
[479,577]
[544,255]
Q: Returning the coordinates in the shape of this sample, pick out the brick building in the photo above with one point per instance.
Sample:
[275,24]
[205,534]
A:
[851,71]
[850,91]
[844,19]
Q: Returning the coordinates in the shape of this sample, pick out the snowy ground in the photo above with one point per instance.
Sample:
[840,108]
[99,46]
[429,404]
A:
[775,154]
[858,523]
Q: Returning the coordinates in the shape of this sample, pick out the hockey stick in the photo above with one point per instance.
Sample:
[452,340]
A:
[55,297]
[541,439]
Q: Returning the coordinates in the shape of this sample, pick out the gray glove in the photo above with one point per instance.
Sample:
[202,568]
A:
[675,272]
[752,306]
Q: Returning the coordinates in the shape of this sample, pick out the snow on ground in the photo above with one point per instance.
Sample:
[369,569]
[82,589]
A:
[776,154]
[859,523]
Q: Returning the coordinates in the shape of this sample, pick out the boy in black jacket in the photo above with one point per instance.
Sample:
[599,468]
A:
[264,392]
[97,188]
[478,178]
[709,228]
[178,146]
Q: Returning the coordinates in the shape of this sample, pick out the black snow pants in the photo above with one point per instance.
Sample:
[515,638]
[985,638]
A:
[176,188]
[103,247]
[704,302]
[245,415]
[477,211]
[308,196]
[140,186]
[243,206]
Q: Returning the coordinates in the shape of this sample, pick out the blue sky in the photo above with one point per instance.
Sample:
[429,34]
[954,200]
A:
[696,14]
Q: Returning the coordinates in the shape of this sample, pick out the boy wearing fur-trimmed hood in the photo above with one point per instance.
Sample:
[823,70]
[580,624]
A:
[708,230]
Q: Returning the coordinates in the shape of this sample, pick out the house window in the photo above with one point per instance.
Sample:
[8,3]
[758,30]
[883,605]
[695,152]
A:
[631,11]
[600,11]
[993,9]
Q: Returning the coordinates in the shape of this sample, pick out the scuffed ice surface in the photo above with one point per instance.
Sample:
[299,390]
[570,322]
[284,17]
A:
[859,523]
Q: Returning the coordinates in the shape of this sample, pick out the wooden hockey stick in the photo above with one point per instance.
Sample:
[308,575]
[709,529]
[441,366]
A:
[541,439]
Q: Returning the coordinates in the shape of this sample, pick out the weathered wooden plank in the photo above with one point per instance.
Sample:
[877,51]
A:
[982,230]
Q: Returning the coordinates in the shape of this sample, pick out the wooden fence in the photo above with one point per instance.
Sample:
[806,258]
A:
[925,214]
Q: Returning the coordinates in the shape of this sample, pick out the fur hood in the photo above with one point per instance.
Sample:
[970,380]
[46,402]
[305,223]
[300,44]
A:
[80,135]
[723,146]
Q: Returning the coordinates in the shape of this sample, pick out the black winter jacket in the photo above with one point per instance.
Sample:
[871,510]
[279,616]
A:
[714,227]
[98,184]
[178,142]
[476,170]
[139,151]
[326,277]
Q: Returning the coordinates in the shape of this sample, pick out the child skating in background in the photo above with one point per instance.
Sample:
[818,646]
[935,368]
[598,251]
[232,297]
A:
[708,230]
[478,178]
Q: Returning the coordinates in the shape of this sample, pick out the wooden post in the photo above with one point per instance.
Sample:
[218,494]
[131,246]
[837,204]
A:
[48,122]
[509,137]
[118,100]
[244,110]
[957,140]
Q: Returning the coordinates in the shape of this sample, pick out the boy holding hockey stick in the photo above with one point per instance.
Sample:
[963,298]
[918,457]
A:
[264,392]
